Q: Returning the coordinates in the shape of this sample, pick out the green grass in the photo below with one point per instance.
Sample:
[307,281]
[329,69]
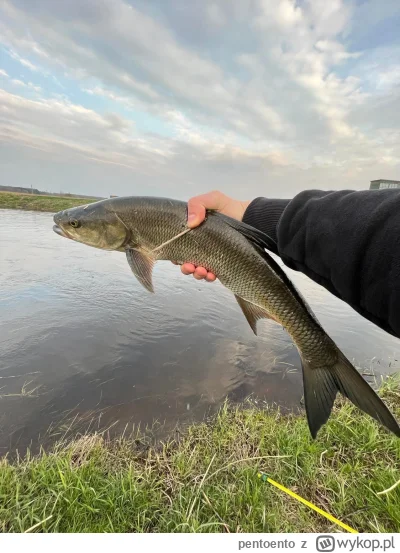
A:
[33,202]
[207,480]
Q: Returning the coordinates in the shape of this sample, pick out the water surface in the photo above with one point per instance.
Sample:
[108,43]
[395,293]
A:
[84,346]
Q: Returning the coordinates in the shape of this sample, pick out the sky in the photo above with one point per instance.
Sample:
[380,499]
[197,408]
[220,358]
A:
[251,97]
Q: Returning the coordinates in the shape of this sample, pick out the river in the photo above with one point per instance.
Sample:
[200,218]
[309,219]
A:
[83,347]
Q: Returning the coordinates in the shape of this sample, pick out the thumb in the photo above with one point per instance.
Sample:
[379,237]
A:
[197,206]
[196,213]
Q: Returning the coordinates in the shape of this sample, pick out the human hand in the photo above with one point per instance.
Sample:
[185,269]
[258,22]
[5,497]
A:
[197,207]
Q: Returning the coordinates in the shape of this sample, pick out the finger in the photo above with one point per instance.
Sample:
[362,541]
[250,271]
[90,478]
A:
[188,268]
[197,207]
[200,273]
[210,277]
[196,213]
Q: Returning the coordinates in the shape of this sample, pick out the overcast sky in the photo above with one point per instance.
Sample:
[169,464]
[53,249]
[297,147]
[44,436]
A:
[253,97]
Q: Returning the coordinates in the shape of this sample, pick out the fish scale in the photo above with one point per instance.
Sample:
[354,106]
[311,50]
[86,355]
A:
[151,229]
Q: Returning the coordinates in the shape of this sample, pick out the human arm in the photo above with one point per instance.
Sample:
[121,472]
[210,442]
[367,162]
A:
[347,241]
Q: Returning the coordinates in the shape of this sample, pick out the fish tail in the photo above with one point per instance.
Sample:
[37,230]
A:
[321,385]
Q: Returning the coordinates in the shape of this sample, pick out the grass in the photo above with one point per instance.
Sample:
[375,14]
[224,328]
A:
[34,202]
[26,391]
[206,481]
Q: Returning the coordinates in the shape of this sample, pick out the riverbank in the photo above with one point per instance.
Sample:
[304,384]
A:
[33,202]
[206,481]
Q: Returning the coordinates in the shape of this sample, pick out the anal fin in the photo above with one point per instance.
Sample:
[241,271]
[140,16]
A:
[142,267]
[252,312]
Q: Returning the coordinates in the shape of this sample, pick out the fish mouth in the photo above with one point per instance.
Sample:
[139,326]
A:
[58,230]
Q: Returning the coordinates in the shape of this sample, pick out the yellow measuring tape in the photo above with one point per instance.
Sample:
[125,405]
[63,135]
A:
[265,478]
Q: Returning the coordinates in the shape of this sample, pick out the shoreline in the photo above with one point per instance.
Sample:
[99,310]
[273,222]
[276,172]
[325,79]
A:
[34,202]
[206,479]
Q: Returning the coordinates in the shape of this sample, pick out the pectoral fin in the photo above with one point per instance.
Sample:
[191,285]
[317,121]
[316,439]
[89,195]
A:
[252,313]
[142,267]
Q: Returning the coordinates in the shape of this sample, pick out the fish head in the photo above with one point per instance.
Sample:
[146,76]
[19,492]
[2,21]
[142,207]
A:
[95,224]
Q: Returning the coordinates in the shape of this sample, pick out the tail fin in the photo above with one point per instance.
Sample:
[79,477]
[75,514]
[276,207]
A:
[322,384]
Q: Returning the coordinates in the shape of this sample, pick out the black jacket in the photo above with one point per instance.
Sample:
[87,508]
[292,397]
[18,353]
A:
[349,242]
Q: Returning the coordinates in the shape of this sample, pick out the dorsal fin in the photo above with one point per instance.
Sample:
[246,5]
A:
[256,237]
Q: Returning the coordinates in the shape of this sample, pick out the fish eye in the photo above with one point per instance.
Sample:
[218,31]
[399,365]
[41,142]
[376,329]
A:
[74,223]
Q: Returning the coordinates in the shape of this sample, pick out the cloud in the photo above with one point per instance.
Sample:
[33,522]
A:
[30,85]
[20,83]
[107,138]
[24,62]
[389,78]
[270,93]
[134,64]
[126,101]
[283,15]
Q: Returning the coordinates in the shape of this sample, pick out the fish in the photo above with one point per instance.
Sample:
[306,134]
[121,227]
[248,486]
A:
[149,229]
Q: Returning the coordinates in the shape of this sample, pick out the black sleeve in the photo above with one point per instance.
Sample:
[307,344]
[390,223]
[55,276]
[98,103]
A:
[349,242]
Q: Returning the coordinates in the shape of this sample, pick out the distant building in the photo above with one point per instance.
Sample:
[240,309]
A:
[384,183]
